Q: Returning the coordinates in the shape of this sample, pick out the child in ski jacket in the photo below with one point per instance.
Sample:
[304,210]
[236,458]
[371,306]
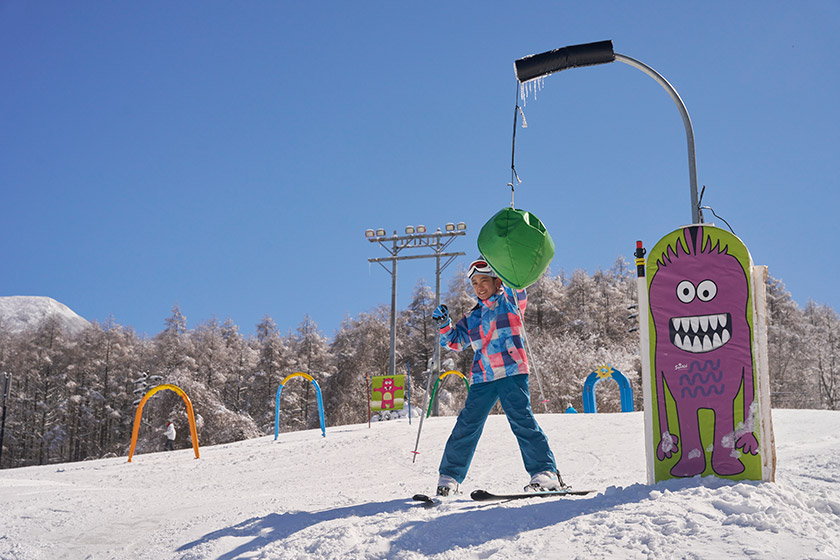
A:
[493,329]
[499,373]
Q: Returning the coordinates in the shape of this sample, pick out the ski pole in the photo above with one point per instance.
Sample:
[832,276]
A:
[435,361]
[408,390]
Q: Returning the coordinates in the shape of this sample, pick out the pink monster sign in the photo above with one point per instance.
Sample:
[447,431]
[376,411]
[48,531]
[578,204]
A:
[703,409]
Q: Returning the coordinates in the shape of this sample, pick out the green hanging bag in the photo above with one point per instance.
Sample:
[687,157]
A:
[517,246]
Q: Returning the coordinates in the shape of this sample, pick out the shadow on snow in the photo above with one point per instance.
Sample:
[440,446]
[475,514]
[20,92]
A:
[461,523]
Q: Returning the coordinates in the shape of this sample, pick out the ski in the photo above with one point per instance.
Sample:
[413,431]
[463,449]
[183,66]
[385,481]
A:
[427,501]
[485,496]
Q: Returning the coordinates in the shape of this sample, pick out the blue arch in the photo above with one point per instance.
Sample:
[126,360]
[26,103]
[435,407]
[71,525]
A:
[607,372]
[317,394]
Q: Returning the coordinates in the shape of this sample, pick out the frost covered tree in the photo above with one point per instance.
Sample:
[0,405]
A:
[310,353]
[105,360]
[242,358]
[171,346]
[787,335]
[361,348]
[824,337]
[416,330]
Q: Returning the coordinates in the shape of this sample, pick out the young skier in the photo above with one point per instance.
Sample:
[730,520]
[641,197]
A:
[499,373]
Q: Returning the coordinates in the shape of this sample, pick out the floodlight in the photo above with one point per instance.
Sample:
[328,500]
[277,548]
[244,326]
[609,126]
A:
[380,232]
[421,229]
[462,226]
[370,233]
[449,227]
[409,230]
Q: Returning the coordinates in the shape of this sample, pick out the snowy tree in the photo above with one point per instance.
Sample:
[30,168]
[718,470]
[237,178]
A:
[310,353]
[787,357]
[416,331]
[361,348]
[272,366]
[172,346]
[104,363]
[242,357]
[824,334]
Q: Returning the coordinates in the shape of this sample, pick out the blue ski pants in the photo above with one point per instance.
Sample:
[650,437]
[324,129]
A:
[513,393]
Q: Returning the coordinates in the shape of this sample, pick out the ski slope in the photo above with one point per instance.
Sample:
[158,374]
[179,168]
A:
[347,495]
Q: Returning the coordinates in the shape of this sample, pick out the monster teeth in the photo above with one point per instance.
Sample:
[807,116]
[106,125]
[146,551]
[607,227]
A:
[699,324]
[699,338]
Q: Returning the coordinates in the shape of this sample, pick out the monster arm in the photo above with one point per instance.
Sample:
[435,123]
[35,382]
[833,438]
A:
[745,438]
[668,445]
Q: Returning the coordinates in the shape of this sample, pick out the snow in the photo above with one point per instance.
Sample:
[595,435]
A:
[26,313]
[346,495]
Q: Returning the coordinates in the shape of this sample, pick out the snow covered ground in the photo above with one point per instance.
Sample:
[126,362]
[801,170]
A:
[347,496]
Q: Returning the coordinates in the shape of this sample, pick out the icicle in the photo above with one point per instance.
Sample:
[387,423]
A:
[531,86]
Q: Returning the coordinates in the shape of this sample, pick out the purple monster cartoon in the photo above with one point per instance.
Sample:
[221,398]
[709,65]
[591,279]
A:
[698,300]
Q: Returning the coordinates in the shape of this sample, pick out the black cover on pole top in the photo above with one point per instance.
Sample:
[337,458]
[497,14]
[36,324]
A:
[575,56]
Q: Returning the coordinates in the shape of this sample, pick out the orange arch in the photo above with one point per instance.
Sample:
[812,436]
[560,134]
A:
[139,414]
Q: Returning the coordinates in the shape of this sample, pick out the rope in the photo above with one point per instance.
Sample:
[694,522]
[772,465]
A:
[514,177]
[543,400]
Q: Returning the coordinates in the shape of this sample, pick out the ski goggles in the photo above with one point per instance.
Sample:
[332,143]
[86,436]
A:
[480,266]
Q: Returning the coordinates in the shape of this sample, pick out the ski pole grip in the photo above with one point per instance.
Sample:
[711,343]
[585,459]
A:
[574,56]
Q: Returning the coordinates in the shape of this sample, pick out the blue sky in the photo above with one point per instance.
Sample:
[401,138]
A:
[228,156]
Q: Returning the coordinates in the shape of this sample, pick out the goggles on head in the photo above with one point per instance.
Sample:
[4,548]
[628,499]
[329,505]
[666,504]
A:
[480,266]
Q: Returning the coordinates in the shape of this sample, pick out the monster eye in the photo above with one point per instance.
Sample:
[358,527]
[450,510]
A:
[685,291]
[706,290]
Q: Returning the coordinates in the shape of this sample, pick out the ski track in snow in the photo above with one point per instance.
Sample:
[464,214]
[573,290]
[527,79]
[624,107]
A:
[348,496]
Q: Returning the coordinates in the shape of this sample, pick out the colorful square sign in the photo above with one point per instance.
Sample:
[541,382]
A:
[387,392]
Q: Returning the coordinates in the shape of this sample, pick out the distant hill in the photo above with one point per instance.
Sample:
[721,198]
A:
[23,313]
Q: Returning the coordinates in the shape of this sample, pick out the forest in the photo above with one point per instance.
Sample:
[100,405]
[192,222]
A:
[75,397]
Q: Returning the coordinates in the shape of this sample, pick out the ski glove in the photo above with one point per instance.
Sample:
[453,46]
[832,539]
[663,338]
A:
[441,315]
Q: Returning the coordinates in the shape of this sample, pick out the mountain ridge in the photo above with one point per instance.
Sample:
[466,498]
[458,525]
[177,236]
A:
[26,313]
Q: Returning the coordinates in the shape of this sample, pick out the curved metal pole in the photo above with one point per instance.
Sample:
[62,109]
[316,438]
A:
[696,218]
[536,66]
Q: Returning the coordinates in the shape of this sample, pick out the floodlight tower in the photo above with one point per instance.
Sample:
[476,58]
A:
[415,238]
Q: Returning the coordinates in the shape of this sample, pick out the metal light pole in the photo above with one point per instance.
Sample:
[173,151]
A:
[590,54]
[7,387]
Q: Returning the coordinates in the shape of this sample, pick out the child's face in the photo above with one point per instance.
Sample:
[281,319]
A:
[485,286]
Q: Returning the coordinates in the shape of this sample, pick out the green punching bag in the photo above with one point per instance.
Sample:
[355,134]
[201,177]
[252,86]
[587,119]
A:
[517,246]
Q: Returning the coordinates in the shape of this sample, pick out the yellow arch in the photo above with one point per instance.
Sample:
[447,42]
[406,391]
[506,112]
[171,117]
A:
[450,372]
[437,382]
[139,414]
[298,374]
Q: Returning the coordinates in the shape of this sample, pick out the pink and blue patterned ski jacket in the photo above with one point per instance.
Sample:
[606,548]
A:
[494,330]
